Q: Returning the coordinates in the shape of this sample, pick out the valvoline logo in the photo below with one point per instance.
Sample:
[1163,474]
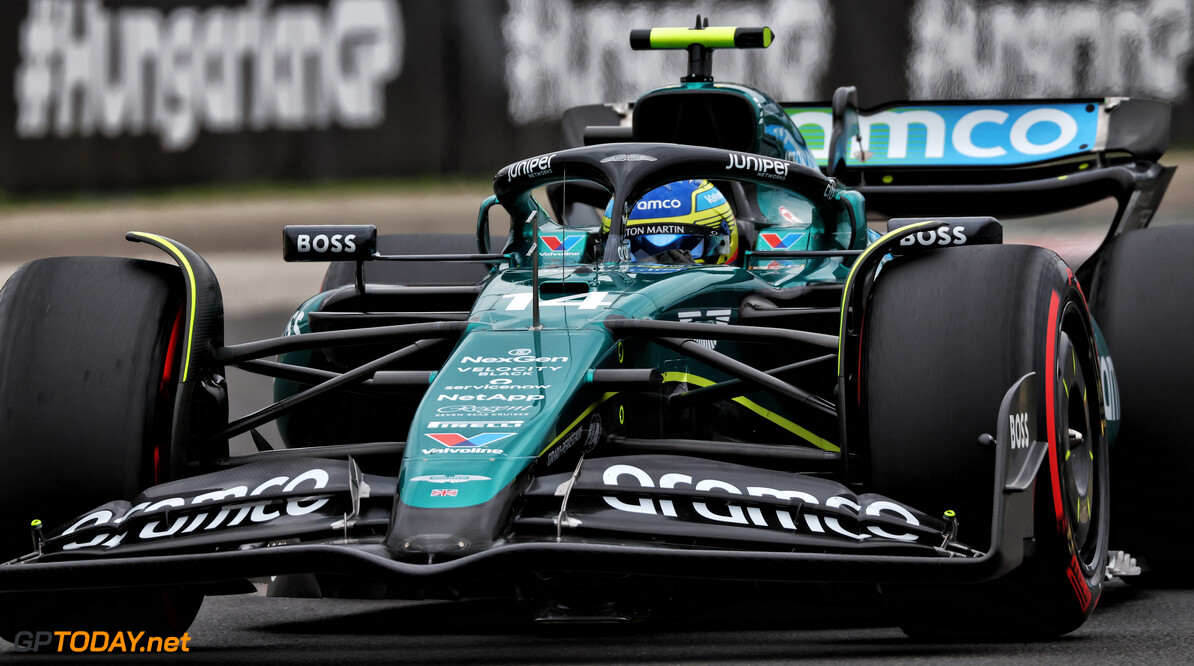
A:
[457,440]
[779,241]
[557,244]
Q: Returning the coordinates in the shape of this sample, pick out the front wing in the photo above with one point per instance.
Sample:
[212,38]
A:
[289,500]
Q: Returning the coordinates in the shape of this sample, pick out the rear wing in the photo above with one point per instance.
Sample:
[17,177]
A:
[988,134]
[1001,158]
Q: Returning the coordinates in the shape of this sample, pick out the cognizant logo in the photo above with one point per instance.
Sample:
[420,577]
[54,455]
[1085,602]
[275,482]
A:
[964,134]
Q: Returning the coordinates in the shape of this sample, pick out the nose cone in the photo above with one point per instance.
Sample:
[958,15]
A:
[491,411]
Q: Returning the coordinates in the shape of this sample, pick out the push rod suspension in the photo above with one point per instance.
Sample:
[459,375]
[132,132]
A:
[288,404]
[251,350]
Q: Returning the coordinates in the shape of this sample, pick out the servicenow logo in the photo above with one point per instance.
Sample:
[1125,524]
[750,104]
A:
[962,134]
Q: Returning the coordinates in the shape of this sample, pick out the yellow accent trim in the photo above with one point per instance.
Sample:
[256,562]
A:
[762,411]
[679,38]
[191,282]
[841,339]
[577,420]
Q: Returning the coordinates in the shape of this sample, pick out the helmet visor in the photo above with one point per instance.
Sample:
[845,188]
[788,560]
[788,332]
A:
[668,248]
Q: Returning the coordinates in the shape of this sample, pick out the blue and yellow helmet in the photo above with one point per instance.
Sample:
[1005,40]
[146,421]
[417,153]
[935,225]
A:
[689,221]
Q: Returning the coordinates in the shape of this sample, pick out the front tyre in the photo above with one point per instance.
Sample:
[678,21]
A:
[946,335]
[90,353]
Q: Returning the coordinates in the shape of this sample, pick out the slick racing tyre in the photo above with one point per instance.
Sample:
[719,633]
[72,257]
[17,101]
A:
[86,392]
[1140,298]
[946,335]
[91,350]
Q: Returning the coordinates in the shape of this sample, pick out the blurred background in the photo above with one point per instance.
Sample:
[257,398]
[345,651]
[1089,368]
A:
[218,122]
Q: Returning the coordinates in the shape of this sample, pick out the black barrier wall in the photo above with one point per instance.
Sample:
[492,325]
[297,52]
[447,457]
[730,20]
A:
[116,94]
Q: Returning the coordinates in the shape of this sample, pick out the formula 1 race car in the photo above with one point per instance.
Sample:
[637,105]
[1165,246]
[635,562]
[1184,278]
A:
[692,362]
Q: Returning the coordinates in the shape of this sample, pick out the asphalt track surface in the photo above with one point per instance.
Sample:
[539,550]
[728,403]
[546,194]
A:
[241,240]
[1130,627]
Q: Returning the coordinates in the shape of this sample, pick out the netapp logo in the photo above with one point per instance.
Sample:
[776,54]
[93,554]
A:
[482,397]
[222,69]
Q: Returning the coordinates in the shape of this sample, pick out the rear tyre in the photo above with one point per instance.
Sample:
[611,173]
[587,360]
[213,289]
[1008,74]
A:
[1139,298]
[947,334]
[91,348]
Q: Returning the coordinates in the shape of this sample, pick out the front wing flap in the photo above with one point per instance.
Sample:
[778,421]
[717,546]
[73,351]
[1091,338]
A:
[624,515]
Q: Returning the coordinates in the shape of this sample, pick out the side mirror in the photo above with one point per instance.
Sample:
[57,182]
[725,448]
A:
[945,232]
[329,243]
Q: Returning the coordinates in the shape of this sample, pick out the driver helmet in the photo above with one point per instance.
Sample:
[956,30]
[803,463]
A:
[689,221]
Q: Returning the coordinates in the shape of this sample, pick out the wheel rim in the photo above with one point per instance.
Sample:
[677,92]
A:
[160,431]
[1079,434]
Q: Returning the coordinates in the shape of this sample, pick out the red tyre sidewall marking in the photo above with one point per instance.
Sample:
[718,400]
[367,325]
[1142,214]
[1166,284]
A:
[167,383]
[1074,571]
[1050,412]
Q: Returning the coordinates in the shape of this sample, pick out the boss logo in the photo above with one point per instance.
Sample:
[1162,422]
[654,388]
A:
[943,235]
[1018,429]
[329,243]
[322,243]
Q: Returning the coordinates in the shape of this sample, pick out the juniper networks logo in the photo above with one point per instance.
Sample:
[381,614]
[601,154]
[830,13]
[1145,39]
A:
[131,70]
